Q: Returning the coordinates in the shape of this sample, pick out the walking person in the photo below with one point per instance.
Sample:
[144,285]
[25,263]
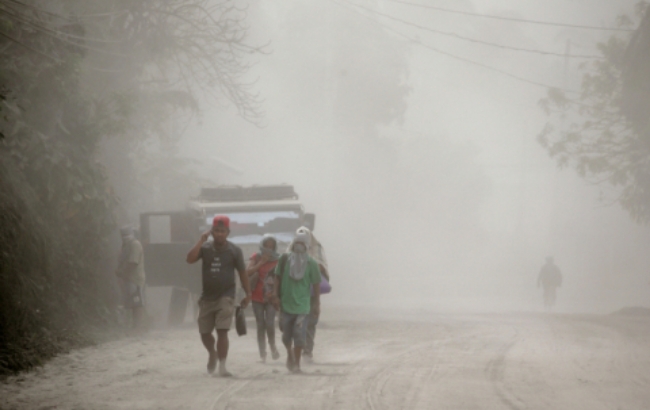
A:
[131,272]
[317,252]
[217,305]
[259,271]
[550,278]
[297,282]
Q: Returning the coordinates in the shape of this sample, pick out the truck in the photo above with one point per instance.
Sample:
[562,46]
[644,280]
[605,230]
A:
[253,211]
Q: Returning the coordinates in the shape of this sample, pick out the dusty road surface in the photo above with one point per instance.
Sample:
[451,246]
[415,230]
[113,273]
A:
[434,361]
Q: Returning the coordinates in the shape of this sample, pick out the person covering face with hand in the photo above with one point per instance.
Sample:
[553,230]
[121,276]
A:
[259,271]
[217,305]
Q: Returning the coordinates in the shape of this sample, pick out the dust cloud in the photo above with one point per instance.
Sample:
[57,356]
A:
[430,189]
[413,133]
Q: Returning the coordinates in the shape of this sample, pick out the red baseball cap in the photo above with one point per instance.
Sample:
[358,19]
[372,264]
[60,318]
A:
[221,219]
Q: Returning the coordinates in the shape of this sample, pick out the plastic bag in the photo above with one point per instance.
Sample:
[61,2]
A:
[325,286]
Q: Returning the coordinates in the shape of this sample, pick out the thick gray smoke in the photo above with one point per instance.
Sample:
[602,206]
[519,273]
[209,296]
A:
[429,186]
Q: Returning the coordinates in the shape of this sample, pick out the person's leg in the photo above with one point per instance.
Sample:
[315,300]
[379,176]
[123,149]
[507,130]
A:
[312,321]
[287,321]
[137,303]
[208,342]
[270,329]
[224,315]
[552,297]
[130,292]
[545,297]
[138,317]
[297,352]
[299,340]
[285,318]
[126,304]
[222,351]
[206,321]
[258,309]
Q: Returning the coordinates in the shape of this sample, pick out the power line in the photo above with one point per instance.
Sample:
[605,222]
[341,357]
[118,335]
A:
[487,43]
[519,20]
[476,63]
[456,57]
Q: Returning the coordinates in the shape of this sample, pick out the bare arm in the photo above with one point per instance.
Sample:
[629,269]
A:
[193,254]
[254,266]
[243,277]
[315,303]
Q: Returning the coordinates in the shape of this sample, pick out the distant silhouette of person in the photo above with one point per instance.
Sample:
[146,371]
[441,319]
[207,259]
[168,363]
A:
[131,271]
[550,278]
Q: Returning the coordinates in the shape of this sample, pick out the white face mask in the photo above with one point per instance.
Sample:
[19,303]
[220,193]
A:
[299,247]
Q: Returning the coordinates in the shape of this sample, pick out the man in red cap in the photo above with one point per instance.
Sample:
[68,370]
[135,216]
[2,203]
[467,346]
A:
[217,306]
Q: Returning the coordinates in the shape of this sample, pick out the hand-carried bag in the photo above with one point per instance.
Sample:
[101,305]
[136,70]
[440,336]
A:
[240,321]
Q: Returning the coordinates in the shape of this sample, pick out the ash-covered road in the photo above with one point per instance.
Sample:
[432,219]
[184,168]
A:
[441,361]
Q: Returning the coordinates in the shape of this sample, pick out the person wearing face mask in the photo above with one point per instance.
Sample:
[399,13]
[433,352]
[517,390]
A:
[260,266]
[317,252]
[297,282]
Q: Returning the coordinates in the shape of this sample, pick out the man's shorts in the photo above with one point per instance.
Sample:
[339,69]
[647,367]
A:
[294,327]
[215,314]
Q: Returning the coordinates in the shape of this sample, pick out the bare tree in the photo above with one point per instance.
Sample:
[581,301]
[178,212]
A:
[600,133]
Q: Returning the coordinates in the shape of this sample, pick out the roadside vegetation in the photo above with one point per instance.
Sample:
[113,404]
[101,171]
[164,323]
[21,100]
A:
[602,131]
[76,77]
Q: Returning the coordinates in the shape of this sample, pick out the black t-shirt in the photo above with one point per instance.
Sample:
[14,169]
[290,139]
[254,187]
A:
[219,269]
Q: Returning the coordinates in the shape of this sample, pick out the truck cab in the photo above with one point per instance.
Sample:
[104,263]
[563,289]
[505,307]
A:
[253,211]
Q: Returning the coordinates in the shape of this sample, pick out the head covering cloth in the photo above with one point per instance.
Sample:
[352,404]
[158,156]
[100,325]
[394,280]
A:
[315,249]
[299,258]
[274,255]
